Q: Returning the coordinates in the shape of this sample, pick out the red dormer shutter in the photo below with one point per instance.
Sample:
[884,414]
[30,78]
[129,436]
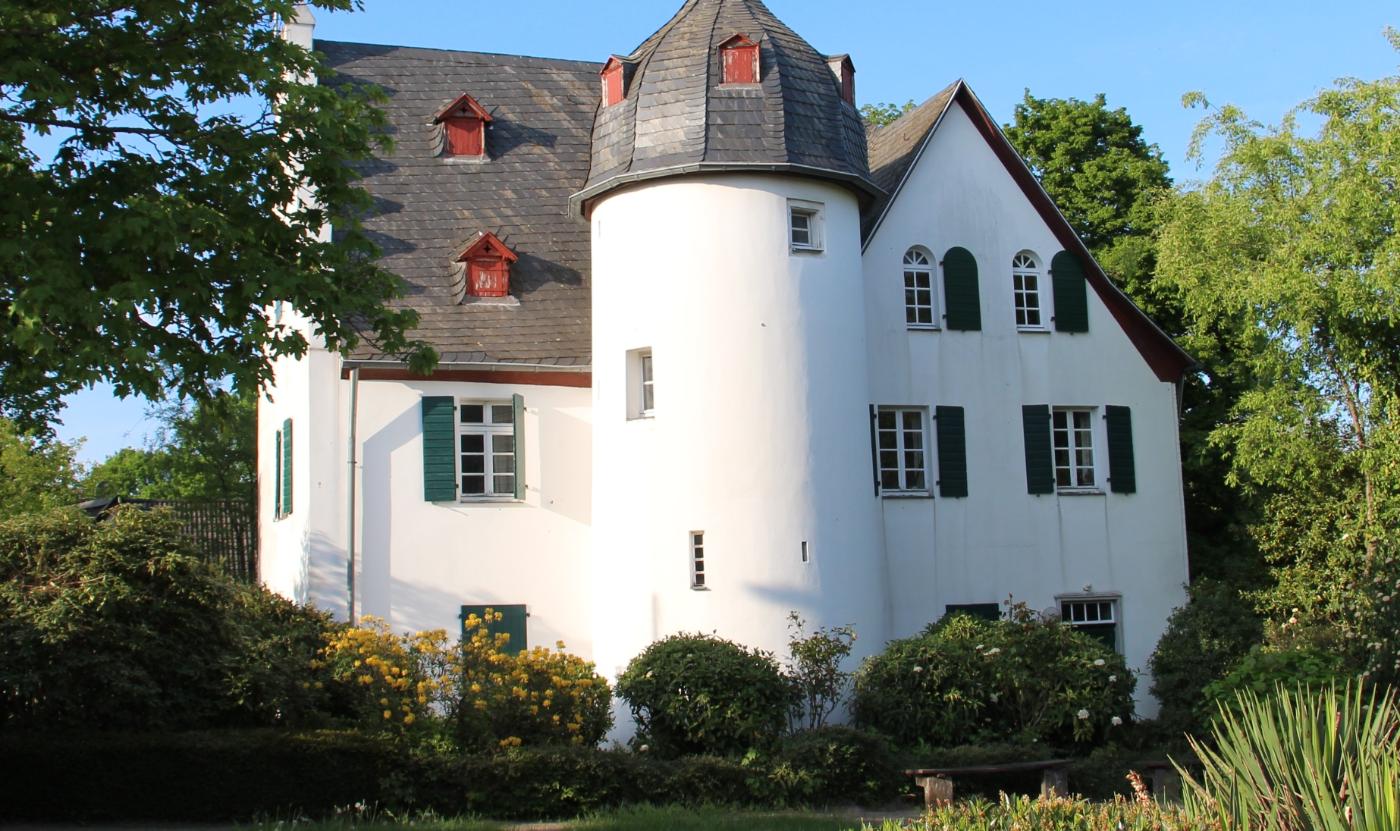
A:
[488,266]
[738,61]
[465,136]
[612,82]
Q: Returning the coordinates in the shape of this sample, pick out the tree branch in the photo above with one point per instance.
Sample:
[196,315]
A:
[78,125]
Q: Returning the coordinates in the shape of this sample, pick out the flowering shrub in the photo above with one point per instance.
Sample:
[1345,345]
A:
[394,681]
[1023,678]
[1026,814]
[536,697]
[703,694]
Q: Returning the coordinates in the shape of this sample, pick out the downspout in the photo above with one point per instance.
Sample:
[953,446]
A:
[350,500]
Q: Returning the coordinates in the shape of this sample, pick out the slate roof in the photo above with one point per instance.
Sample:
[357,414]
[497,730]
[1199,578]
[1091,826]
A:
[428,206]
[677,118]
[894,147]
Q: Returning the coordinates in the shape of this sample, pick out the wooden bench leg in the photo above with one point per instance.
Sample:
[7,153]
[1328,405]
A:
[1166,784]
[937,790]
[1054,782]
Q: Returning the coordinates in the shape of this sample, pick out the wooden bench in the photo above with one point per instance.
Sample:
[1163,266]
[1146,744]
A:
[938,783]
[1162,777]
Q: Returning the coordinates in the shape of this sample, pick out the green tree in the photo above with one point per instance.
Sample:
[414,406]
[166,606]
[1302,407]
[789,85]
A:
[146,248]
[879,115]
[203,451]
[1290,248]
[35,475]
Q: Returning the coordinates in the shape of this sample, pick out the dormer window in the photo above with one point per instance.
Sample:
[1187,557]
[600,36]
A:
[845,73]
[464,127]
[738,61]
[612,81]
[488,266]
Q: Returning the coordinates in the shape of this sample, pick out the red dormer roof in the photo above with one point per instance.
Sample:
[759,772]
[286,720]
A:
[464,106]
[486,244]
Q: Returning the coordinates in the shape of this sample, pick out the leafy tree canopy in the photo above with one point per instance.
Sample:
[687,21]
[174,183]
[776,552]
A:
[1104,177]
[145,250]
[35,475]
[884,113]
[1290,251]
[202,451]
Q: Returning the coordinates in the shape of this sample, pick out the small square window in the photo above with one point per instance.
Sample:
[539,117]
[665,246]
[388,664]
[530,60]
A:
[804,225]
[641,384]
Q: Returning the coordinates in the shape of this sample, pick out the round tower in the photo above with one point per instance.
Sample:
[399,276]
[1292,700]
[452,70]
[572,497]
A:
[732,472]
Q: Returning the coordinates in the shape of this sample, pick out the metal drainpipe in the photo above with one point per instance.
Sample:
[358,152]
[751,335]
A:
[350,500]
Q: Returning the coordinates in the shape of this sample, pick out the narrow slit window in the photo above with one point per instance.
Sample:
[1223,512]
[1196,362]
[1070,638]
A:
[697,559]
[806,553]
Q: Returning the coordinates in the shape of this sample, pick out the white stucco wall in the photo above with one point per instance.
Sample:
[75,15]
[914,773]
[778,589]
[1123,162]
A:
[1000,540]
[760,432]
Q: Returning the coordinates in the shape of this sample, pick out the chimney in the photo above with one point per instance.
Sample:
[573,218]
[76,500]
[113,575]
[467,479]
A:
[301,28]
[845,73]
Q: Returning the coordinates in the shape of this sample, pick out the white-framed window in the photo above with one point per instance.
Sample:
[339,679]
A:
[1072,437]
[920,299]
[902,446]
[486,449]
[1026,285]
[806,552]
[697,559]
[1093,615]
[641,383]
[805,225]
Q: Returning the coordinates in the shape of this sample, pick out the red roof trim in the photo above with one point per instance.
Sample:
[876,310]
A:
[486,244]
[1169,361]
[483,376]
[737,41]
[463,100]
[612,62]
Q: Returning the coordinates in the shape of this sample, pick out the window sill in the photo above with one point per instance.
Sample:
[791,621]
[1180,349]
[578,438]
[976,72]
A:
[464,159]
[1079,491]
[802,249]
[906,494]
[923,327]
[699,588]
[486,500]
[1033,330]
[647,416]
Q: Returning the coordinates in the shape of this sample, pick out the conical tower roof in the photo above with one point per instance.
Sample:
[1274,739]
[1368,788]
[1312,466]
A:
[677,118]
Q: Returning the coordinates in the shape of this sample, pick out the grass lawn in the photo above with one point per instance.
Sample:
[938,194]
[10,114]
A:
[630,819]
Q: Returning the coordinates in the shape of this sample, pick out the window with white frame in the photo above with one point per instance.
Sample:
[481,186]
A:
[805,225]
[641,384]
[902,450]
[918,290]
[1025,281]
[697,559]
[486,449]
[1072,434]
[1095,616]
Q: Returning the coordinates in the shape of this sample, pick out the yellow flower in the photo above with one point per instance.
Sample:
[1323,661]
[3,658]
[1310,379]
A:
[388,715]
[384,702]
[408,719]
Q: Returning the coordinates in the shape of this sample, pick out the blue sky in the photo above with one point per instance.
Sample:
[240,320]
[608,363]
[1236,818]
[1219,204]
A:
[1264,57]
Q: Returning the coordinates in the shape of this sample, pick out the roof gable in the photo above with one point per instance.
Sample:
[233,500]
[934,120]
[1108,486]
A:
[486,244]
[463,106]
[896,149]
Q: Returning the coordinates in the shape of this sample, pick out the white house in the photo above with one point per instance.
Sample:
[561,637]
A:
[713,350]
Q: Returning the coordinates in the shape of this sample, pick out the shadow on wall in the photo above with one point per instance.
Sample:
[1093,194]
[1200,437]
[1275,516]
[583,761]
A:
[376,592]
[564,435]
[325,577]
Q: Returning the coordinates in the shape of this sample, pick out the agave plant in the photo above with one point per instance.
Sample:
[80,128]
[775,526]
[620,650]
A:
[1301,760]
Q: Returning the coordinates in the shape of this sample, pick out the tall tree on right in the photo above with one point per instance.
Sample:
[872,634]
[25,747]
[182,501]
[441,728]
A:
[1291,249]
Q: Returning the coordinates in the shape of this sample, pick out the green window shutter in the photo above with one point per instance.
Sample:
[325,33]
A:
[439,451]
[962,304]
[1040,468]
[874,451]
[952,451]
[1122,471]
[1071,293]
[287,467]
[518,402]
[512,622]
[982,611]
[277,476]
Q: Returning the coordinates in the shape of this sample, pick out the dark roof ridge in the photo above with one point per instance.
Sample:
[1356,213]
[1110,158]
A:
[574,63]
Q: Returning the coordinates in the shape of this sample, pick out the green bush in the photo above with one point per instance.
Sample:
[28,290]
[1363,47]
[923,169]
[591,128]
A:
[188,777]
[1049,815]
[968,681]
[119,625]
[1263,669]
[703,694]
[1302,758]
[1203,640]
[837,765]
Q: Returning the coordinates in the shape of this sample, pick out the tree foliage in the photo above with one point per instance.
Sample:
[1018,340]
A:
[884,113]
[146,248]
[35,475]
[204,450]
[1290,252]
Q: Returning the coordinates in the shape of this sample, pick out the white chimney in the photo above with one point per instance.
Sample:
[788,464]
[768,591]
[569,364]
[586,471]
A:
[301,28]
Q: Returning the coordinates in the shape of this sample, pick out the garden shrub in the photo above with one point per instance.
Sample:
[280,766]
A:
[814,666]
[1203,640]
[1264,668]
[538,696]
[837,765]
[1023,678]
[703,694]
[188,777]
[1050,815]
[118,624]
[400,684]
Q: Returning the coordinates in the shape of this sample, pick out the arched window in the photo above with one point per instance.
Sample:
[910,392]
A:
[918,289]
[1025,283]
